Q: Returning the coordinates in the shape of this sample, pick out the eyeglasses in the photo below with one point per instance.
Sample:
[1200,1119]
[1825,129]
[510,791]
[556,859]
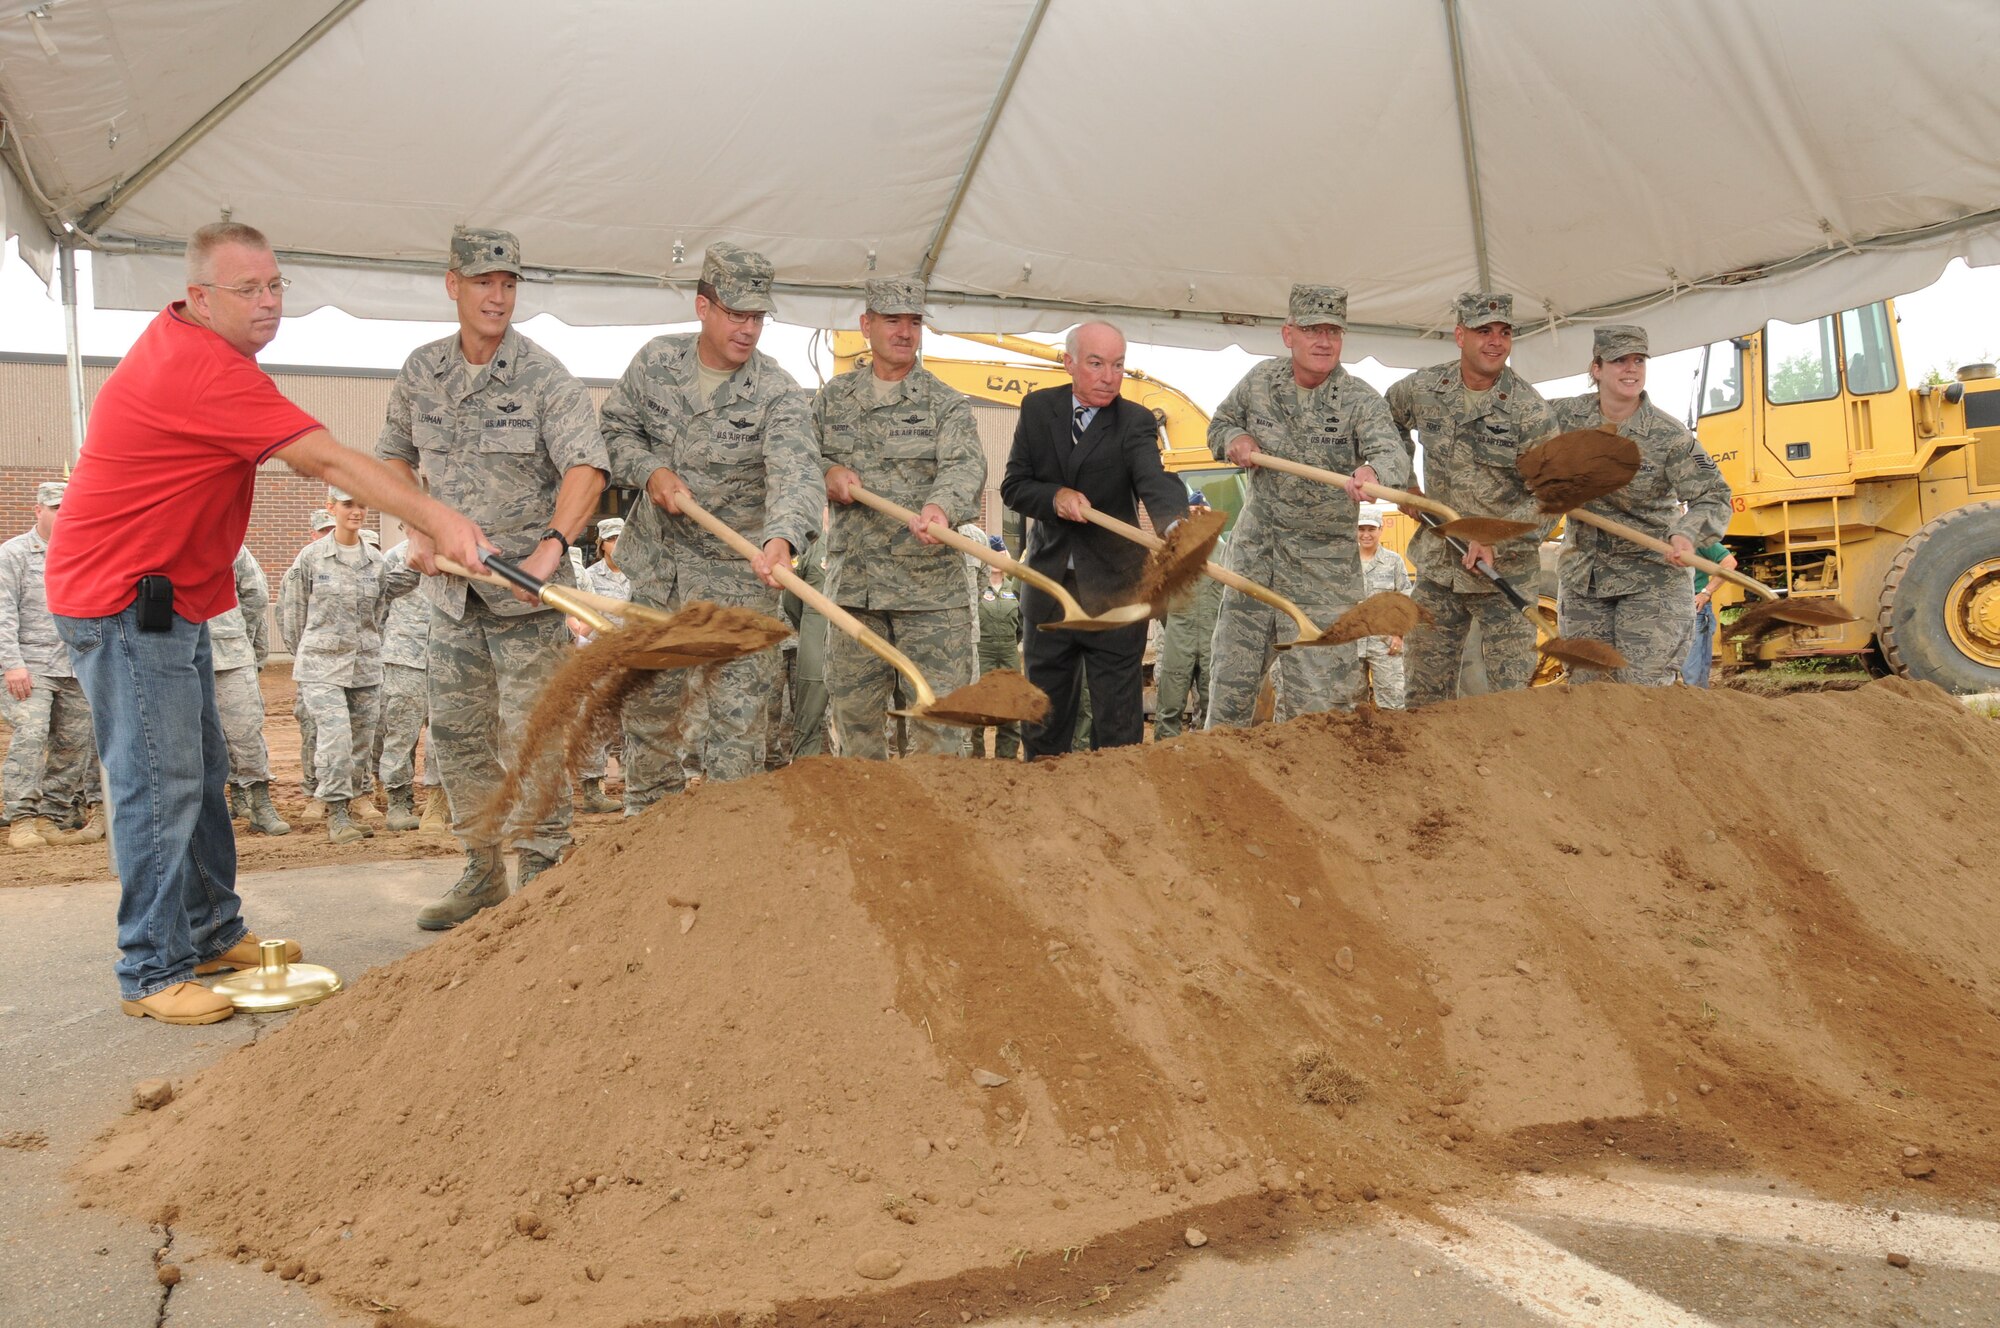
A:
[736,319]
[275,287]
[1318,332]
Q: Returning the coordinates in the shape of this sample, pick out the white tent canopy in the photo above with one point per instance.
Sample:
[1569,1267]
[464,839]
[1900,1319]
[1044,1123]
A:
[1693,165]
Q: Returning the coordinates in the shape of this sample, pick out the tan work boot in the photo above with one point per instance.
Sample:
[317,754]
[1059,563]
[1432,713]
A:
[594,799]
[340,826]
[30,832]
[244,954]
[363,808]
[402,810]
[315,810]
[482,884]
[437,812]
[182,1003]
[264,818]
[89,831]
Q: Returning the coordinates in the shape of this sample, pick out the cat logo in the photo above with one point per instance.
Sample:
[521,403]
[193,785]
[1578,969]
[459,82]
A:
[509,408]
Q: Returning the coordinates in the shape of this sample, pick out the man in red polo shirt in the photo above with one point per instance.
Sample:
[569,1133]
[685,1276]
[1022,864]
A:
[152,520]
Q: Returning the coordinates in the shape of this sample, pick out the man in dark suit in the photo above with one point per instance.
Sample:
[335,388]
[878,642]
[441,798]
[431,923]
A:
[1075,448]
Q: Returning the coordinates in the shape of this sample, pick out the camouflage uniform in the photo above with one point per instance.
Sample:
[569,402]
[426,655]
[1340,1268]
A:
[50,770]
[808,699]
[916,445]
[602,579]
[1295,535]
[1471,441]
[1000,648]
[331,605]
[240,641]
[1611,589]
[322,521]
[493,440]
[406,643]
[747,456]
[1385,671]
[1187,640]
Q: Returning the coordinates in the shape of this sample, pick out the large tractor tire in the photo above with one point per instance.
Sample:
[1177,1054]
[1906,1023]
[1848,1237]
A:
[1939,616]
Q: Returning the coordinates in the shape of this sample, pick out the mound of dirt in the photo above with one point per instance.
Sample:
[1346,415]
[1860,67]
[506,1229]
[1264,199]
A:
[862,1042]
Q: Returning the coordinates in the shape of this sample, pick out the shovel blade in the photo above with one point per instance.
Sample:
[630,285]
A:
[1108,621]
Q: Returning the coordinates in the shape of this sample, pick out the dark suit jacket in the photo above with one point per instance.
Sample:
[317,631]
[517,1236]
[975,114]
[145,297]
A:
[1117,461]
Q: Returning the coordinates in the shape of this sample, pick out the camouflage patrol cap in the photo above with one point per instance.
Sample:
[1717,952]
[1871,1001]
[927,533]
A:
[334,495]
[475,252]
[322,520]
[611,527]
[1317,306]
[896,295]
[49,493]
[1614,341]
[1478,308]
[742,277]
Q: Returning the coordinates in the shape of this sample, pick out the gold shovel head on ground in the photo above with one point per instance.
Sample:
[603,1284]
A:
[275,984]
[1578,467]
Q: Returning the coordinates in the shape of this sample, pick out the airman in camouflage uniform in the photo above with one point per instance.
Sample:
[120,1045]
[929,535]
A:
[1297,535]
[1187,659]
[999,648]
[240,641]
[49,775]
[602,577]
[710,415]
[1611,589]
[808,700]
[503,432]
[331,606]
[406,643]
[1474,417]
[1382,570]
[895,427]
[322,521]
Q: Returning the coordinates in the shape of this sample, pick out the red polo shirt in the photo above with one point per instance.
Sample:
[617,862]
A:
[168,471]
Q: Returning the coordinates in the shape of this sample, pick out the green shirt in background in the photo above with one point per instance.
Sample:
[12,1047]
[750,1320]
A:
[1715,553]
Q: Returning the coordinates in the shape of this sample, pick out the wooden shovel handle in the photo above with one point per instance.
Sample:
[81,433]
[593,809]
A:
[966,544]
[579,598]
[1379,492]
[1262,594]
[819,603]
[1661,547]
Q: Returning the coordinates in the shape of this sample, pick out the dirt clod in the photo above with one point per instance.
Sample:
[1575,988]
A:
[168,1274]
[878,1265]
[152,1094]
[1172,569]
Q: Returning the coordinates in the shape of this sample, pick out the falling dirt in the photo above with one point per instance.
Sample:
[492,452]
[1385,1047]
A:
[1172,569]
[1583,653]
[1003,1032]
[1000,697]
[1578,467]
[1385,613]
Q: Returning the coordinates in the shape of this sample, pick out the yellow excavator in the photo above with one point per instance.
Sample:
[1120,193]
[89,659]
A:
[1849,483]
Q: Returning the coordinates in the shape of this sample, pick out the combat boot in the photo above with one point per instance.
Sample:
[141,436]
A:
[264,818]
[482,884]
[402,811]
[235,801]
[531,864]
[29,832]
[340,827]
[88,830]
[594,799]
[315,810]
[363,808]
[437,812]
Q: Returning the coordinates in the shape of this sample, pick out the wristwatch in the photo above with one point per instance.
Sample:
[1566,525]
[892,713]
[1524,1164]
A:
[553,534]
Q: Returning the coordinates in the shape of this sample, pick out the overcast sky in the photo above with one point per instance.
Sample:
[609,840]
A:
[1949,323]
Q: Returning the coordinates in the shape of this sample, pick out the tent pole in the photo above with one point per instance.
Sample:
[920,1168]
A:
[935,248]
[194,133]
[1470,152]
[73,352]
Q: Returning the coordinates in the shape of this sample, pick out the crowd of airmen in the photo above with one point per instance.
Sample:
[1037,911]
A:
[495,426]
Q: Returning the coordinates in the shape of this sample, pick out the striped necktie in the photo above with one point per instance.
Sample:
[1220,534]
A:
[1076,427]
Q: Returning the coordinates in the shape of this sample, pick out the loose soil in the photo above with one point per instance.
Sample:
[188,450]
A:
[1385,613]
[1578,467]
[1172,569]
[1581,652]
[1000,697]
[941,1039]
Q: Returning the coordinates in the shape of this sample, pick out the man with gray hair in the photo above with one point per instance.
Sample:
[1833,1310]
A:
[50,771]
[708,415]
[1473,417]
[1297,535]
[1077,447]
[899,430]
[497,425]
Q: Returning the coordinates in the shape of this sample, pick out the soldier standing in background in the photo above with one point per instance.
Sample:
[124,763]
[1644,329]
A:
[322,522]
[1186,642]
[808,700]
[331,606]
[1474,417]
[999,648]
[1297,535]
[708,415]
[1611,590]
[1382,570]
[240,641]
[50,775]
[406,642]
[503,432]
[602,577]
[897,429]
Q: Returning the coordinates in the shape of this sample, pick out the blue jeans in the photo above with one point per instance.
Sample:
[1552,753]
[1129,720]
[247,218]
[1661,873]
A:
[1701,652]
[152,695]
